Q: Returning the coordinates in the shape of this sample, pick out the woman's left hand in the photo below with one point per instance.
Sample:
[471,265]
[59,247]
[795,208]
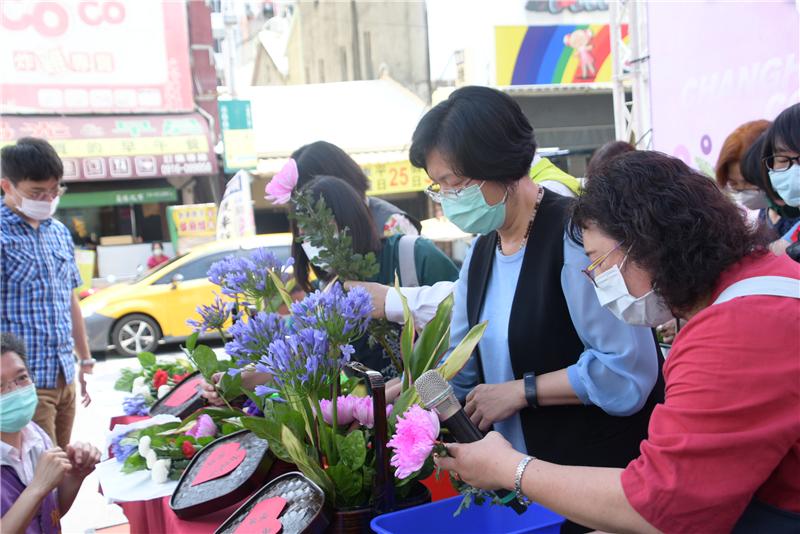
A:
[489,403]
[487,464]
[83,457]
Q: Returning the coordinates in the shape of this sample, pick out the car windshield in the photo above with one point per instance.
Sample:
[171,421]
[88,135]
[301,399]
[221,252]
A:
[157,268]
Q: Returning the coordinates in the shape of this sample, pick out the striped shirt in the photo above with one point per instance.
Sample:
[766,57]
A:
[39,274]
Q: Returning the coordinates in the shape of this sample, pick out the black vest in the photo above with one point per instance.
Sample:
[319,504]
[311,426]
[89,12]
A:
[542,339]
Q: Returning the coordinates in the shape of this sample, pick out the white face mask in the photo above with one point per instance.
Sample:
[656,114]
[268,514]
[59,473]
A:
[39,210]
[312,253]
[647,310]
[752,199]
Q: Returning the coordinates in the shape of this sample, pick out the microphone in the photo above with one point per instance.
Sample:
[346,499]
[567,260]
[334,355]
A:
[437,395]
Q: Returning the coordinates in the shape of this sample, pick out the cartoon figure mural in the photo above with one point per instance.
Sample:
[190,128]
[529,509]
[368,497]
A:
[581,41]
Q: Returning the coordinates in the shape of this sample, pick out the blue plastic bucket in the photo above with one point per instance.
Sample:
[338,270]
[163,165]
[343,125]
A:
[437,517]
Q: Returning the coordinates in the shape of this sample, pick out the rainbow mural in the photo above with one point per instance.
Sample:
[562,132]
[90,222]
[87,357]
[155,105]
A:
[533,55]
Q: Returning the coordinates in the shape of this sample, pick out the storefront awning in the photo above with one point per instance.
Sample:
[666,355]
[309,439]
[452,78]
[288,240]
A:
[112,147]
[124,197]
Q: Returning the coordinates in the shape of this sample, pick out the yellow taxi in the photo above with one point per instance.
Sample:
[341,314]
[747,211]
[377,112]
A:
[137,316]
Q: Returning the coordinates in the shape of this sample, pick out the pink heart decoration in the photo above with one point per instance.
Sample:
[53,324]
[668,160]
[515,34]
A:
[263,517]
[219,462]
[183,392]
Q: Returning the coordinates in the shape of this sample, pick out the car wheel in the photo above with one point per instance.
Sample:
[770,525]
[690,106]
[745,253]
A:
[134,334]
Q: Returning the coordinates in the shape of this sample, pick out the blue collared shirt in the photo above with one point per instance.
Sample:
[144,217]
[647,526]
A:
[617,369]
[39,275]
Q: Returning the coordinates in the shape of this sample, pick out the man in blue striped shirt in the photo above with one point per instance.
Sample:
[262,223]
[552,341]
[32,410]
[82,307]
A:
[39,275]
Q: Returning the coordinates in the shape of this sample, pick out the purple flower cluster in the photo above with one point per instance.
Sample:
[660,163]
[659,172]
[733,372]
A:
[120,451]
[345,316]
[213,317]
[252,337]
[302,361]
[135,405]
[249,277]
[250,408]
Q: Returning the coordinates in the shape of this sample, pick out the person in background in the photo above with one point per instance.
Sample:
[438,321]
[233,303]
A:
[39,275]
[554,372]
[723,450]
[606,153]
[728,171]
[158,257]
[323,158]
[38,482]
[781,158]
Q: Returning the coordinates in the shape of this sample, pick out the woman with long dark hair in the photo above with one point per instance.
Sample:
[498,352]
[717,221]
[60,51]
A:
[723,450]
[555,373]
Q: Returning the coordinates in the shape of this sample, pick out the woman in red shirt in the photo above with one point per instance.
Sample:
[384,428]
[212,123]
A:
[723,451]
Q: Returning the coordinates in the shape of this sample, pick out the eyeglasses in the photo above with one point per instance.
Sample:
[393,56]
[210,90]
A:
[19,382]
[590,270]
[44,195]
[780,163]
[437,194]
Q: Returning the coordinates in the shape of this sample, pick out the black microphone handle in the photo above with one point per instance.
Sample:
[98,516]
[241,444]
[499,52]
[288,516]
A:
[464,430]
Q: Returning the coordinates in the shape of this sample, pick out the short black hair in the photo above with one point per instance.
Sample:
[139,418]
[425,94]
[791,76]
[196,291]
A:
[324,158]
[675,222]
[481,132]
[608,151]
[784,132]
[30,159]
[752,165]
[11,343]
[349,210]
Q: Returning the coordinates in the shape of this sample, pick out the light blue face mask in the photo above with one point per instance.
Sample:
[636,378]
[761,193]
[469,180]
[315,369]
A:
[787,184]
[17,408]
[472,214]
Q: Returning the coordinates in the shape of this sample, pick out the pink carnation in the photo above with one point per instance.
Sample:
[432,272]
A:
[413,441]
[203,426]
[279,189]
[344,410]
[364,412]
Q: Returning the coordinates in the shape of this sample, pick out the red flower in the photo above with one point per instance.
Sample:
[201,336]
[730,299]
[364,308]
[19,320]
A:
[188,449]
[160,378]
[177,378]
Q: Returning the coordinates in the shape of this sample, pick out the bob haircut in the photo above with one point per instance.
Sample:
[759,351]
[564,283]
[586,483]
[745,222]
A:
[608,151]
[350,212]
[675,222]
[784,134]
[11,343]
[482,134]
[323,158]
[32,159]
[752,165]
[734,147]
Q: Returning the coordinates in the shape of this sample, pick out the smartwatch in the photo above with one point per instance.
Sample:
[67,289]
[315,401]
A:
[530,389]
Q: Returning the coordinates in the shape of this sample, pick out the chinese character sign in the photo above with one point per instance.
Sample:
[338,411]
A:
[238,136]
[191,225]
[396,177]
[235,218]
[78,56]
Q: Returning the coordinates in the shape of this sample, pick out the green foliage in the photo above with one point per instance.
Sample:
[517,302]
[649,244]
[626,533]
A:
[133,463]
[125,380]
[147,359]
[352,449]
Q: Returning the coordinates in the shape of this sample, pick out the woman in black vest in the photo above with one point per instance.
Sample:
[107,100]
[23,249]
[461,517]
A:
[555,373]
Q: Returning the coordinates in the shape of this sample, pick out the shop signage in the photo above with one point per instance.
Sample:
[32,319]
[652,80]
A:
[94,56]
[119,197]
[191,225]
[235,215]
[563,54]
[124,146]
[397,177]
[236,123]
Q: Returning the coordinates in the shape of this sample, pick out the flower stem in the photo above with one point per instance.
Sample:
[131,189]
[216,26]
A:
[333,458]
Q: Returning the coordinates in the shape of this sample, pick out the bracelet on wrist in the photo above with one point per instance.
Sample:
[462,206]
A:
[531,397]
[87,362]
[521,498]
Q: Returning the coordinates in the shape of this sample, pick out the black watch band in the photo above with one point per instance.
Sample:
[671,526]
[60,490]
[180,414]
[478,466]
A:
[530,389]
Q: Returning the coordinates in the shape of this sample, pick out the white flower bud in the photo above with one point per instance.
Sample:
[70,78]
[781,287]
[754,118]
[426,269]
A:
[151,458]
[144,391]
[144,446]
[163,390]
[137,383]
[160,472]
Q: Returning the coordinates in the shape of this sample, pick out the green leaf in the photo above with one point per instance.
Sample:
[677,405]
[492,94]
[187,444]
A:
[147,359]
[230,386]
[125,380]
[191,341]
[206,360]
[434,340]
[309,466]
[406,337]
[352,449]
[462,353]
[287,299]
[348,483]
[133,463]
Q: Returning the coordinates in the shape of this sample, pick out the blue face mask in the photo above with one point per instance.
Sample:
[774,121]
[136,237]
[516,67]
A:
[787,184]
[17,408]
[472,214]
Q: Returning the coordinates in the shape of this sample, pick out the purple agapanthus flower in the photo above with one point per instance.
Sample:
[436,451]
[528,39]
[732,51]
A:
[250,408]
[213,317]
[301,361]
[120,451]
[345,316]
[135,405]
[252,337]
[248,276]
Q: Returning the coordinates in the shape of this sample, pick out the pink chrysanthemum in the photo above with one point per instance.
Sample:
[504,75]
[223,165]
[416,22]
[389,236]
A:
[279,189]
[417,430]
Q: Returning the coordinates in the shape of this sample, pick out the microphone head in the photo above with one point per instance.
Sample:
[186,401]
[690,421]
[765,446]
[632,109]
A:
[432,388]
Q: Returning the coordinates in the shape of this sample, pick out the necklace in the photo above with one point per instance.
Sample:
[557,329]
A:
[530,224]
